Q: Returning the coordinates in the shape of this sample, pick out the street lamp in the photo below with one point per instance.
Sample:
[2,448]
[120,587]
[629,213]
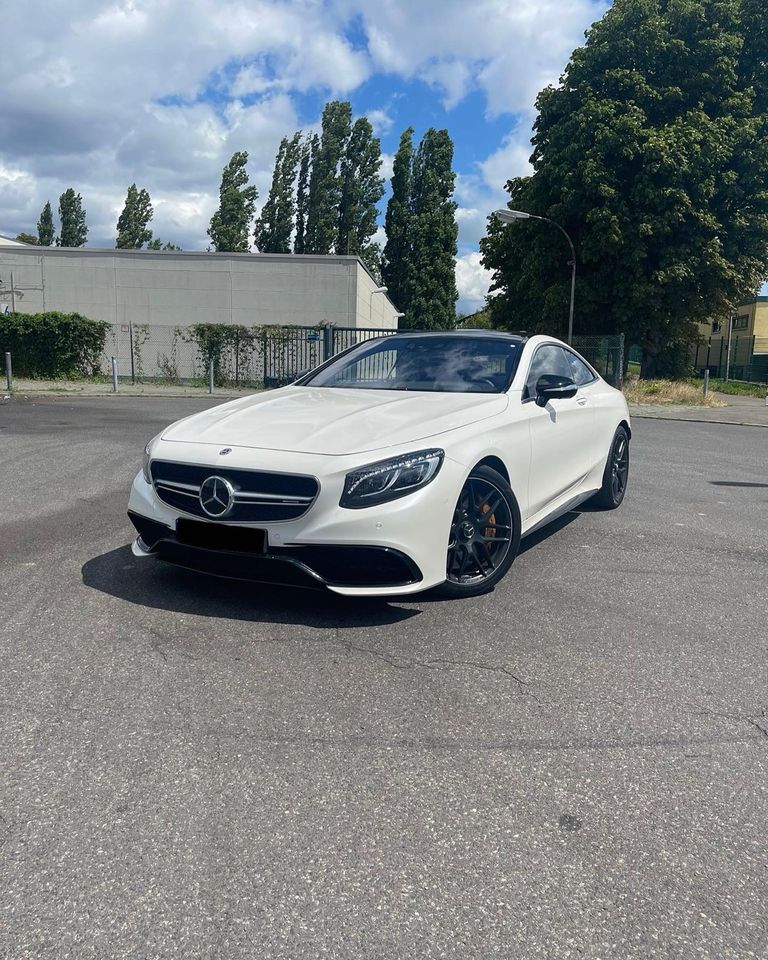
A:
[370,302]
[509,216]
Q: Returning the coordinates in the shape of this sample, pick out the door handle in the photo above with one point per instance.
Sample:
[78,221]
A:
[582,401]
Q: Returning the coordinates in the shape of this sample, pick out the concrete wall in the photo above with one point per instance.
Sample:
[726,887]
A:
[177,289]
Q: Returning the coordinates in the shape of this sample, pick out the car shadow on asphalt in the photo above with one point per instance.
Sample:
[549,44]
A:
[154,584]
[151,583]
[544,533]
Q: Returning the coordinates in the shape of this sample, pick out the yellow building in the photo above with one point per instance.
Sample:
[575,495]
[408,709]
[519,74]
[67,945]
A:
[748,355]
[749,320]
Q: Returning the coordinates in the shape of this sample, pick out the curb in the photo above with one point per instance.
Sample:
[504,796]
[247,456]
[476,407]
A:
[72,395]
[727,423]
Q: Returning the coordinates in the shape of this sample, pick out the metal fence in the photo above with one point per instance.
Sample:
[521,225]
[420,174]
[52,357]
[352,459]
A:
[269,356]
[747,358]
[261,357]
[606,354]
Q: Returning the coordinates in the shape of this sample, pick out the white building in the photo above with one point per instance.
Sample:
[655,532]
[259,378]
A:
[176,289]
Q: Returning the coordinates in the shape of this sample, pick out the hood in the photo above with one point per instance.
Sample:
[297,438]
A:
[333,421]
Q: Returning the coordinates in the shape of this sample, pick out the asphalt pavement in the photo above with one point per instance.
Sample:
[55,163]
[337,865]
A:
[575,765]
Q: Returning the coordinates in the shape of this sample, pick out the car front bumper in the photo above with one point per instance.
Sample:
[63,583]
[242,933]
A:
[340,567]
[393,548]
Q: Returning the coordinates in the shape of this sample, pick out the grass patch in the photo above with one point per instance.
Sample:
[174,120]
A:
[667,393]
[736,388]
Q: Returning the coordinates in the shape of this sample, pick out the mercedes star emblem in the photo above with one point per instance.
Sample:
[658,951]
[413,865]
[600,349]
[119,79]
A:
[217,496]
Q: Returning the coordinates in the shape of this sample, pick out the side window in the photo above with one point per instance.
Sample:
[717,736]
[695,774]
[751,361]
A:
[549,360]
[580,372]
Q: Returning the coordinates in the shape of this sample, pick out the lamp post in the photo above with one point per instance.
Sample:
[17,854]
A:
[509,216]
[370,302]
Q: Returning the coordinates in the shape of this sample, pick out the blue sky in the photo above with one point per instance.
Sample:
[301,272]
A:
[161,92]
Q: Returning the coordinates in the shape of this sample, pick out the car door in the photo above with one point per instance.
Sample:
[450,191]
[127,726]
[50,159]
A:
[594,390]
[560,432]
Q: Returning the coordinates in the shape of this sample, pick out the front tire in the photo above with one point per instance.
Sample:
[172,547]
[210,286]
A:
[616,473]
[484,536]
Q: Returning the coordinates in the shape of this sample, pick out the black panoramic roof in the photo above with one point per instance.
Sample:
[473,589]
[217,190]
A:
[480,332]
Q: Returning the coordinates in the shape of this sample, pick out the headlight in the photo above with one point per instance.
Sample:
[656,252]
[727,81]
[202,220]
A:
[146,459]
[390,479]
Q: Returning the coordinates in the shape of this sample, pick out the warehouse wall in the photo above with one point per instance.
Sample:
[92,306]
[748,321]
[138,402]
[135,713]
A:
[178,289]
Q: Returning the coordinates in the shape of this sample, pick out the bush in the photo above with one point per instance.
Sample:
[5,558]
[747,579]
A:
[229,346]
[53,345]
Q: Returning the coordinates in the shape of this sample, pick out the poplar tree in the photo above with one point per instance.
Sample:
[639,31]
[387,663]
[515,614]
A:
[275,225]
[231,224]
[394,267]
[74,231]
[45,230]
[431,257]
[653,154]
[325,180]
[361,189]
[308,153]
[132,224]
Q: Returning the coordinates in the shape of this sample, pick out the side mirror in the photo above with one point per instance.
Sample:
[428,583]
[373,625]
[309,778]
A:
[550,387]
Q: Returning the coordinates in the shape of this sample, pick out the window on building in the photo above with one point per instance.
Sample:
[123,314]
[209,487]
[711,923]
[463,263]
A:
[740,321]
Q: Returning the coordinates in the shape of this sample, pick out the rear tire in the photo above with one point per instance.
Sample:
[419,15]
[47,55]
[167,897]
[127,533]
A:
[484,535]
[616,473]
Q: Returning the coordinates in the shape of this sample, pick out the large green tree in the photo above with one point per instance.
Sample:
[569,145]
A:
[275,225]
[397,221]
[653,154]
[431,258]
[231,224]
[74,231]
[132,224]
[362,187]
[325,184]
[45,232]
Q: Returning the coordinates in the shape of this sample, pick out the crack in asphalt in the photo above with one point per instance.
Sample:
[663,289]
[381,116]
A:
[158,644]
[410,663]
[737,718]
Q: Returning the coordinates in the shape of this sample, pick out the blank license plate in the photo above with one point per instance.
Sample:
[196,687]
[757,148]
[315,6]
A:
[218,536]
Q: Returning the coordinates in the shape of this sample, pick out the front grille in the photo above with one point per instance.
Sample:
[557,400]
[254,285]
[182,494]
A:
[260,497]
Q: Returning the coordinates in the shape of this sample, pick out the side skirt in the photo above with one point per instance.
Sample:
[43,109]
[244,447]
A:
[564,508]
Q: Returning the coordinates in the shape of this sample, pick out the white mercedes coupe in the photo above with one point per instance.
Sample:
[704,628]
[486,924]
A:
[406,463]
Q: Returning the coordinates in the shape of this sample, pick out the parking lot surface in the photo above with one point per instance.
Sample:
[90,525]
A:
[575,765]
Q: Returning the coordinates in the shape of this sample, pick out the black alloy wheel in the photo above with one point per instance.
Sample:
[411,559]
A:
[484,536]
[616,474]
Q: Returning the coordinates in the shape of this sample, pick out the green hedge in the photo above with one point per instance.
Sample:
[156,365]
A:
[53,344]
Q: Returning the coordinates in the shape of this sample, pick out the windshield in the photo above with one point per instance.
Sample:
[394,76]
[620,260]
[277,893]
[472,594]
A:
[439,364]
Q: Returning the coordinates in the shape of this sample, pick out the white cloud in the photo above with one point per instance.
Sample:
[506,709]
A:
[472,281]
[512,159]
[387,165]
[380,237]
[451,76]
[480,192]
[381,121]
[510,50]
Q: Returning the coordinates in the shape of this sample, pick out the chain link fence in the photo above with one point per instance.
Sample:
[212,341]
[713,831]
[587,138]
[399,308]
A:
[267,356]
[746,359]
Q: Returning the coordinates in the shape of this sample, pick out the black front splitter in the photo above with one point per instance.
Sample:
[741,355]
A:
[267,569]
[316,566]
